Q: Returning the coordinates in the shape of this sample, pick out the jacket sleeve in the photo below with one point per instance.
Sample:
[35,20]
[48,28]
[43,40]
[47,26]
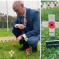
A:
[36,26]
[16,21]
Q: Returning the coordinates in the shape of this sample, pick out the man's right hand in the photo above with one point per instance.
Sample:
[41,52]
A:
[21,26]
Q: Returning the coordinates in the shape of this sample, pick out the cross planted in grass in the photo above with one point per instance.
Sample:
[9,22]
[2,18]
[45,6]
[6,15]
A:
[51,24]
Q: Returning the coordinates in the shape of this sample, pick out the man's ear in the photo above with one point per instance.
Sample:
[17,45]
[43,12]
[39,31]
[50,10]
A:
[22,5]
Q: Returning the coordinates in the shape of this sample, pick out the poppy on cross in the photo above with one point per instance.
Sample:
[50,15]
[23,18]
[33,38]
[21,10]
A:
[51,24]
[27,51]
[11,53]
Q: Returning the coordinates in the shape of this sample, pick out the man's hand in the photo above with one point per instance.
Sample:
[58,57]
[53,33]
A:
[21,26]
[19,38]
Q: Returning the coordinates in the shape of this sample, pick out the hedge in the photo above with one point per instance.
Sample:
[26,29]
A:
[5,25]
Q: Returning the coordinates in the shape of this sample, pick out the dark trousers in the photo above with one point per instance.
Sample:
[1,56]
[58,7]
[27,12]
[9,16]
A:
[32,41]
[17,32]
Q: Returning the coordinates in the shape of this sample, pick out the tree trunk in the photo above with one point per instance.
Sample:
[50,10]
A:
[10,24]
[2,23]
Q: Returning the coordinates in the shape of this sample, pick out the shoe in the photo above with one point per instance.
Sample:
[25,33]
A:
[25,46]
[34,49]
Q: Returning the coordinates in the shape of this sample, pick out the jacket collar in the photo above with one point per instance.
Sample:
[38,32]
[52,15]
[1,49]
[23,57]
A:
[27,13]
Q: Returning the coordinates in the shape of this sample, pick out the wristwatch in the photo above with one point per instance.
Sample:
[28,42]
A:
[22,36]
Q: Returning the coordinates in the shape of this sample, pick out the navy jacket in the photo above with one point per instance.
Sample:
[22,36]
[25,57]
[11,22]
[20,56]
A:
[33,22]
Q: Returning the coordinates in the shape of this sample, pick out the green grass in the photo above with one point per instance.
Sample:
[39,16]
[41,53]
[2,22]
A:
[49,53]
[7,47]
[47,11]
[4,32]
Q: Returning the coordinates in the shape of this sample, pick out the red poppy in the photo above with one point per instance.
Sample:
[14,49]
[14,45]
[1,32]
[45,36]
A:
[27,50]
[48,5]
[51,24]
[9,40]
[41,6]
[26,20]
[55,5]
[1,41]
[12,39]
[16,39]
[13,43]
[11,52]
[5,40]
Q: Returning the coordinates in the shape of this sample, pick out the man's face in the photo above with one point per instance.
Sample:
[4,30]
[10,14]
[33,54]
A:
[18,10]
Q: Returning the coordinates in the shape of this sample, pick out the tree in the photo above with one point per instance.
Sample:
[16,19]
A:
[11,19]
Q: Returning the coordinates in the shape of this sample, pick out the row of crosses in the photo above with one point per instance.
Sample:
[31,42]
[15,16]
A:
[49,5]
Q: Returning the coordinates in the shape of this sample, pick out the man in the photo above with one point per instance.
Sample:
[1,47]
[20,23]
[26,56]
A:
[27,25]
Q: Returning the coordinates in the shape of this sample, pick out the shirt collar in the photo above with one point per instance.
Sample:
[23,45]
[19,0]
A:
[24,14]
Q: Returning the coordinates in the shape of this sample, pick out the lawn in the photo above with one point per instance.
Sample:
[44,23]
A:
[7,47]
[4,32]
[49,53]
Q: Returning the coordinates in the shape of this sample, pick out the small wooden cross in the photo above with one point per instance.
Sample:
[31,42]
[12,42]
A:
[11,53]
[51,24]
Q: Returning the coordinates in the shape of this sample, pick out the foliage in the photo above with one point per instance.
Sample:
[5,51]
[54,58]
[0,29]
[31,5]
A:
[49,53]
[3,21]
[5,24]
[10,18]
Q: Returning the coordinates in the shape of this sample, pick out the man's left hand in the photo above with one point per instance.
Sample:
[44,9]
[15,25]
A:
[19,38]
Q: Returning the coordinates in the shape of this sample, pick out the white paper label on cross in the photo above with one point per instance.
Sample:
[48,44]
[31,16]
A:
[51,24]
[11,53]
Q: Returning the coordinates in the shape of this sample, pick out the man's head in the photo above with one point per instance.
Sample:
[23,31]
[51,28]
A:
[18,7]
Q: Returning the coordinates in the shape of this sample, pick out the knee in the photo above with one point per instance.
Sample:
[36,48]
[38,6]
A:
[30,42]
[33,40]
